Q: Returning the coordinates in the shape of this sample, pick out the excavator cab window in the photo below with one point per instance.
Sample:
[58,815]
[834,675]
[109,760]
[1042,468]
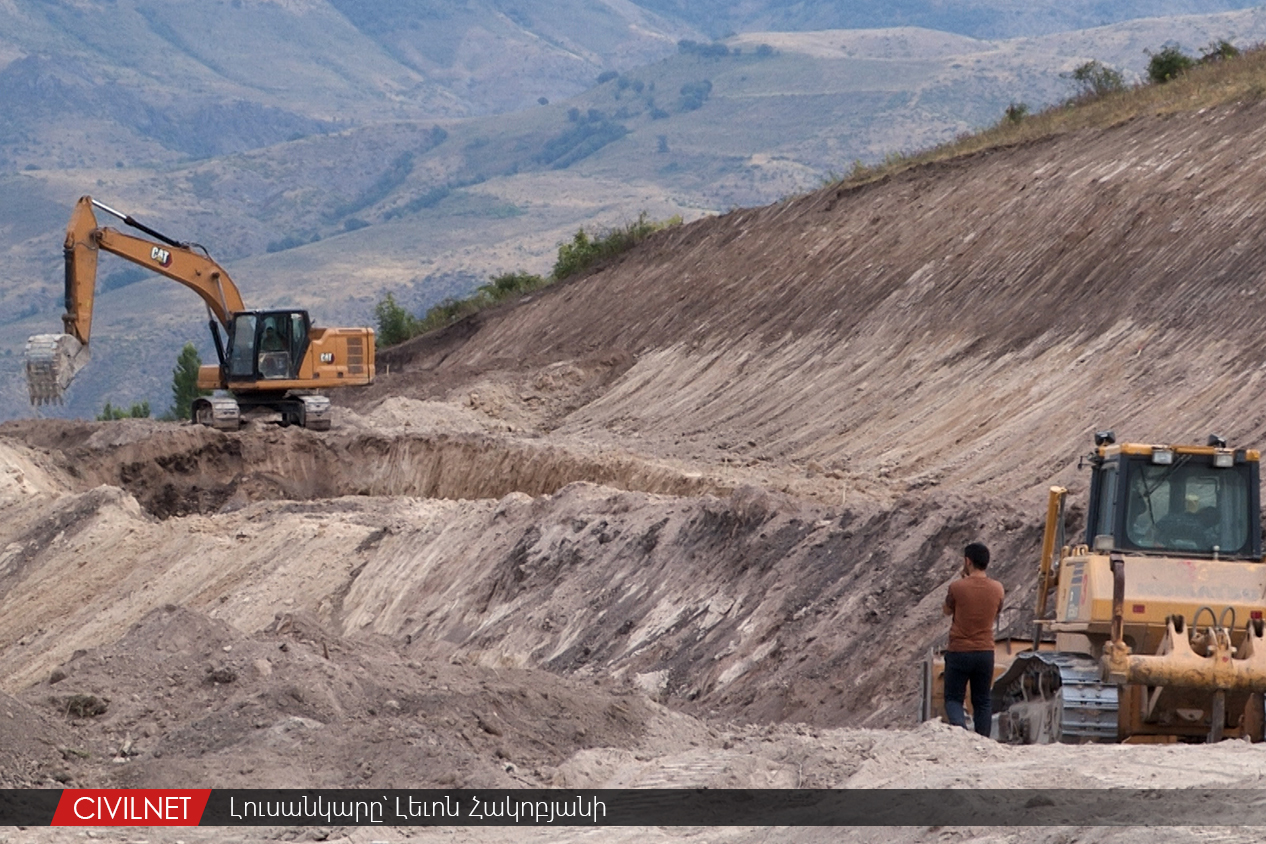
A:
[267,345]
[241,351]
[273,360]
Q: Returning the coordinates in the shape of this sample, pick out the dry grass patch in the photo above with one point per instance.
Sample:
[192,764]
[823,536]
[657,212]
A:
[1215,83]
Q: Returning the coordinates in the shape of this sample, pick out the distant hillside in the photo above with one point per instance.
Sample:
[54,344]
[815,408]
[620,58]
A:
[172,73]
[978,18]
[331,211]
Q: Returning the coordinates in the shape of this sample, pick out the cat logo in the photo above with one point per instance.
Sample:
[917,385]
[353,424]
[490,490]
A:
[327,357]
[162,256]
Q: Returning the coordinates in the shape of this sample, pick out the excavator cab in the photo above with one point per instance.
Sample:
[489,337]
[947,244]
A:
[266,345]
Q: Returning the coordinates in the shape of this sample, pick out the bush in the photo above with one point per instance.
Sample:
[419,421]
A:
[290,241]
[580,141]
[399,170]
[449,311]
[123,278]
[583,251]
[1097,79]
[508,284]
[109,413]
[694,94]
[1168,64]
[395,324]
[1219,51]
[715,50]
[1016,112]
[427,199]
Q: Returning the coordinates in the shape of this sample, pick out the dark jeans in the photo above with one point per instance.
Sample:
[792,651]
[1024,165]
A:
[961,668]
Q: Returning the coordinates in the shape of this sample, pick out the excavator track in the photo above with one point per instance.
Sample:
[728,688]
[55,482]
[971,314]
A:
[219,412]
[1052,697]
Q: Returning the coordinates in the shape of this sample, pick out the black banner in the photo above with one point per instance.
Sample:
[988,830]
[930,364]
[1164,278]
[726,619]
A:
[29,807]
[647,807]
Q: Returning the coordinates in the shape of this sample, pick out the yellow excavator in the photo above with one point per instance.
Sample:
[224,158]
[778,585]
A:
[1155,630]
[271,362]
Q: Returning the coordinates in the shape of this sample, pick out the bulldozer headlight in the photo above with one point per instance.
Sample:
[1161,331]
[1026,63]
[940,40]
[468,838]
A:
[1162,456]
[1224,459]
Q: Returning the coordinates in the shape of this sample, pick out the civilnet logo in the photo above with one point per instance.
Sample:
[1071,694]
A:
[131,807]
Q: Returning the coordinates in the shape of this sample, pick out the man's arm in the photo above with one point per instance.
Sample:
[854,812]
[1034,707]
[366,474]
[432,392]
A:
[948,608]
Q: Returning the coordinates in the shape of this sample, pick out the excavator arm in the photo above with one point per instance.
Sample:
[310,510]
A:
[52,360]
[178,261]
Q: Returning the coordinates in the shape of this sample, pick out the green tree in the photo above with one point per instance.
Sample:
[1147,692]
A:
[575,256]
[395,324]
[184,383]
[1168,64]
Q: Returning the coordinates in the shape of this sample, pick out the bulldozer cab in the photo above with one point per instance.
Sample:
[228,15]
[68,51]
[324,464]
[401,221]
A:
[266,345]
[1175,501]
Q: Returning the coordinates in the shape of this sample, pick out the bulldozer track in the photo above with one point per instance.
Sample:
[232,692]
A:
[1046,698]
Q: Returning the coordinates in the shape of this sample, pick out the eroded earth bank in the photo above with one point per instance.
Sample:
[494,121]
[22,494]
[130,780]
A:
[686,521]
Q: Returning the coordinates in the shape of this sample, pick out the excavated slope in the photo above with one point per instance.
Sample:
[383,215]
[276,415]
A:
[729,474]
[968,323]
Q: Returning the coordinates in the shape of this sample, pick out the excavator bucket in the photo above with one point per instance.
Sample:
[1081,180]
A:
[52,361]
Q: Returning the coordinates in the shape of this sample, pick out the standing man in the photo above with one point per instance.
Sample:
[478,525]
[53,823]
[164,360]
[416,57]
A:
[974,601]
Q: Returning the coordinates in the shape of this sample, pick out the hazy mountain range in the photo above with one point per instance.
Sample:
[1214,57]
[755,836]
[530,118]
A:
[329,151]
[978,18]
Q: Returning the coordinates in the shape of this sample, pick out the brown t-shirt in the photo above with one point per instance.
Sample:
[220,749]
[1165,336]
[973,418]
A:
[975,602]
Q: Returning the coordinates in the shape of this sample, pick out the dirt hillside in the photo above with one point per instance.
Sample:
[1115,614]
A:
[685,521]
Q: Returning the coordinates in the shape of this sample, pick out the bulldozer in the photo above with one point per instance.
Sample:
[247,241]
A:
[271,363]
[1150,628]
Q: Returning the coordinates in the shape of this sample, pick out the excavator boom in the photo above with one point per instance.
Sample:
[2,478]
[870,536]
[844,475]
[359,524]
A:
[178,261]
[53,360]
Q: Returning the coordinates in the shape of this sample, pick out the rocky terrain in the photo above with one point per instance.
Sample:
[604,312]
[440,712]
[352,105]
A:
[685,521]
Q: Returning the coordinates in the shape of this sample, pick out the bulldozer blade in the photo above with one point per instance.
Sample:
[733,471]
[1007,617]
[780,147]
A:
[52,361]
